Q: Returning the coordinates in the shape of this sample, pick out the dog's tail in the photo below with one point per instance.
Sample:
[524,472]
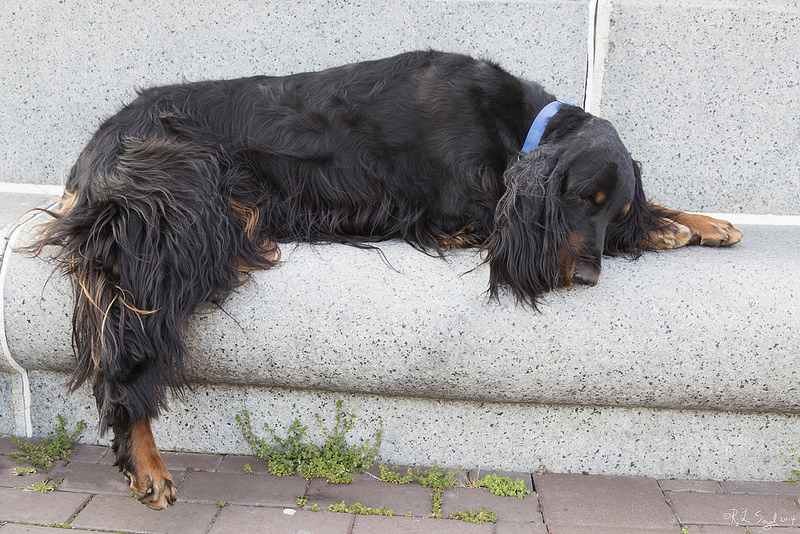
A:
[146,232]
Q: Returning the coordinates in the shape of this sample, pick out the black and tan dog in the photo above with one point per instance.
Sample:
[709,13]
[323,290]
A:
[191,185]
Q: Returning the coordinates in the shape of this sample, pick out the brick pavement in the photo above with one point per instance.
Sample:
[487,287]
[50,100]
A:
[90,495]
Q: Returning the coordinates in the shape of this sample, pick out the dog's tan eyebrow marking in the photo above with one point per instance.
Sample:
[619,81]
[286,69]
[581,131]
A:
[599,197]
[625,208]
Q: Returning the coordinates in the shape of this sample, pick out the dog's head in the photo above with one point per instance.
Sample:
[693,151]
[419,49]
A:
[567,202]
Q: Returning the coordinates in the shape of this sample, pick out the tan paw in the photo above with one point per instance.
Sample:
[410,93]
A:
[155,490]
[672,235]
[711,232]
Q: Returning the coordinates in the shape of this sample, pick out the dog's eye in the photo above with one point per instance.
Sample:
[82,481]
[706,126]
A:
[596,198]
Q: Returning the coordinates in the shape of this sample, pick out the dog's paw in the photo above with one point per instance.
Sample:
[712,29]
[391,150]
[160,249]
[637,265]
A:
[670,235]
[717,233]
[710,232]
[153,489]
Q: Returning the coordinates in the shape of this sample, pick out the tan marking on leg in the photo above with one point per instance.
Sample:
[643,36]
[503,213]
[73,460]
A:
[706,230]
[671,235]
[246,216]
[710,232]
[464,238]
[151,483]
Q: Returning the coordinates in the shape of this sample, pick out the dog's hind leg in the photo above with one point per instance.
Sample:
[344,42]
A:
[141,463]
[145,241]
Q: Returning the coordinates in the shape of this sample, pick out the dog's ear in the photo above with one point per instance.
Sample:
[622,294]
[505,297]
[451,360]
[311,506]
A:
[529,229]
[629,233]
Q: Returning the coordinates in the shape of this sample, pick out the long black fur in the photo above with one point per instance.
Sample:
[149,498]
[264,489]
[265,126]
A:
[191,184]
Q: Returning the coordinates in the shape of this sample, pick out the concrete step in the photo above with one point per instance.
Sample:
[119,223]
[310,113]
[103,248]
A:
[681,363]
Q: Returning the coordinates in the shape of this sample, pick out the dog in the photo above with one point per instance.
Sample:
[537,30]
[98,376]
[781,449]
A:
[191,186]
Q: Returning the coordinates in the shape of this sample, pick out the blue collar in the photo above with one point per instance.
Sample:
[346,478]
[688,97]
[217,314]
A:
[540,123]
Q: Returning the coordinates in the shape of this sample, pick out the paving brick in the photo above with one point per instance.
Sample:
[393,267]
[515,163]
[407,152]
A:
[178,461]
[10,480]
[506,508]
[371,492]
[40,508]
[370,524]
[112,512]
[735,509]
[506,527]
[765,488]
[91,454]
[109,458]
[238,519]
[6,445]
[235,464]
[90,478]
[699,486]
[573,529]
[621,502]
[191,461]
[259,490]
[716,529]
[12,528]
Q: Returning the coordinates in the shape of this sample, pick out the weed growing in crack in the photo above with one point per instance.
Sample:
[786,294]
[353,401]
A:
[42,487]
[471,516]
[359,509]
[24,471]
[435,478]
[50,449]
[792,458]
[334,460]
[503,486]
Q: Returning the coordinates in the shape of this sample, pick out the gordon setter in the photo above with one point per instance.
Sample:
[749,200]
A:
[192,185]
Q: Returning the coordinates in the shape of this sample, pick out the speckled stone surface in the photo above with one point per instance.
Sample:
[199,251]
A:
[481,435]
[706,95]
[68,66]
[7,425]
[680,364]
[694,328]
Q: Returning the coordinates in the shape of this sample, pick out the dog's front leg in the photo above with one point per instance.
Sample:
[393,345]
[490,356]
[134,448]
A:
[680,228]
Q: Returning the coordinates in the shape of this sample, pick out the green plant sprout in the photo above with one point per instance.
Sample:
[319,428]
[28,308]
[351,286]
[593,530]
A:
[334,460]
[50,449]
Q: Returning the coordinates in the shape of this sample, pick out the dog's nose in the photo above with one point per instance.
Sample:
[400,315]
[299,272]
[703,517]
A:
[586,275]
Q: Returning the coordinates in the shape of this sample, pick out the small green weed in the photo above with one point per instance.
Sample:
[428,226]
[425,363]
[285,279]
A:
[247,469]
[359,509]
[471,516]
[334,460]
[301,500]
[22,471]
[792,458]
[42,487]
[390,474]
[51,448]
[435,478]
[503,486]
[222,504]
